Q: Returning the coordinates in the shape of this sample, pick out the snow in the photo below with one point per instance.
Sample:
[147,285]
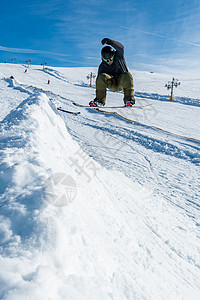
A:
[94,206]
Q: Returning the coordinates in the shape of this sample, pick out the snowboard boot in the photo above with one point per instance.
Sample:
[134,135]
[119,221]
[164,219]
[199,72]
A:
[96,102]
[130,103]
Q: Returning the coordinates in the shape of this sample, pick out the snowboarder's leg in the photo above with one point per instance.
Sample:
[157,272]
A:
[103,82]
[126,84]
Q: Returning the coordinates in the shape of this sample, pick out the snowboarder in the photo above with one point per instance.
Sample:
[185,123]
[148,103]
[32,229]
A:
[113,74]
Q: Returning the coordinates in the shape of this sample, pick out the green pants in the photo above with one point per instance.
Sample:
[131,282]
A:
[123,82]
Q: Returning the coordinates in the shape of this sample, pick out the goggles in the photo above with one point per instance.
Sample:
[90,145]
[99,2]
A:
[108,60]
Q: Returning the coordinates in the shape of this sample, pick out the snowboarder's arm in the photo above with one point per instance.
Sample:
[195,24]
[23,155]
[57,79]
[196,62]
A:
[117,45]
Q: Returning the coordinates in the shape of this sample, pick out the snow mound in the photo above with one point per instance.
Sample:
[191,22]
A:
[44,246]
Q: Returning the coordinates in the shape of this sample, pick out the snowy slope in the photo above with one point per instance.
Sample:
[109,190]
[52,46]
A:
[94,206]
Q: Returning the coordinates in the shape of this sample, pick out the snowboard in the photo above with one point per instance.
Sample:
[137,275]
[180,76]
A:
[119,106]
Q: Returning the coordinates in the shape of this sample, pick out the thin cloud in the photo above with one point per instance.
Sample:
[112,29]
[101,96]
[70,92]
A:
[19,50]
[162,36]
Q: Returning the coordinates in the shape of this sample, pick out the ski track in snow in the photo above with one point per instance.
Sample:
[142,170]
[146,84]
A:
[132,231]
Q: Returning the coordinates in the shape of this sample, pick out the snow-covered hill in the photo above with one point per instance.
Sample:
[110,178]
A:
[96,206]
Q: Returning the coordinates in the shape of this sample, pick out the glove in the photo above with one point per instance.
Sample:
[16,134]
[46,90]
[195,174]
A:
[106,41]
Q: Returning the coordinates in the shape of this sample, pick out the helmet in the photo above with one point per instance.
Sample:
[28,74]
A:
[107,54]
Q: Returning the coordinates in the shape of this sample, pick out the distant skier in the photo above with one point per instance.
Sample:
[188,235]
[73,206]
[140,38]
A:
[113,74]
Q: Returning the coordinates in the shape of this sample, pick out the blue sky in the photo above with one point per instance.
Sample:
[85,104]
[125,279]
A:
[158,35]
